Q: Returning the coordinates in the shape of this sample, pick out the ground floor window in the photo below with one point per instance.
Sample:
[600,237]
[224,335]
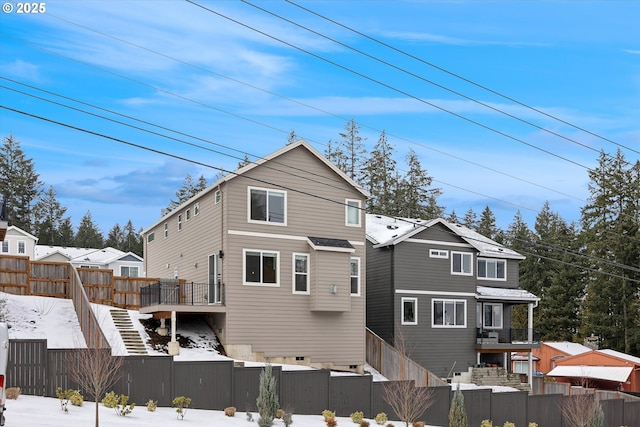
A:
[409,311]
[261,267]
[128,271]
[449,313]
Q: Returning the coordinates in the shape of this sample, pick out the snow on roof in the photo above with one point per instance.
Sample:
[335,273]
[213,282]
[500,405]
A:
[567,347]
[81,255]
[621,355]
[385,230]
[485,292]
[608,373]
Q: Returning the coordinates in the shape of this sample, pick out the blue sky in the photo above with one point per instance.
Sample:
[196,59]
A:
[207,74]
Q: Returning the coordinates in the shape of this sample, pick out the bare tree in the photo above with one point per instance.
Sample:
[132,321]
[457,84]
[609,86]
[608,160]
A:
[582,408]
[95,370]
[406,399]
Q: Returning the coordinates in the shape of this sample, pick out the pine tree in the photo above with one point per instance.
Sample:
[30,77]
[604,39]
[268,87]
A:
[457,412]
[611,228]
[244,162]
[487,226]
[453,218]
[267,400]
[292,137]
[115,237]
[419,200]
[48,218]
[132,239]
[190,189]
[354,151]
[67,236]
[19,183]
[470,219]
[88,235]
[379,177]
[335,155]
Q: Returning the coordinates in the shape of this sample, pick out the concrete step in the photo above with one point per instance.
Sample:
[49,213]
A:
[130,337]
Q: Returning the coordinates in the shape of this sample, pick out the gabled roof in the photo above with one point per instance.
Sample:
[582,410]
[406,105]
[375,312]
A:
[384,230]
[21,231]
[620,355]
[84,255]
[570,348]
[255,164]
[617,374]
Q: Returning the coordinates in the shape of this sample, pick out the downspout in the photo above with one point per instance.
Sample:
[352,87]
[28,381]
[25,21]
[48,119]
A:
[530,339]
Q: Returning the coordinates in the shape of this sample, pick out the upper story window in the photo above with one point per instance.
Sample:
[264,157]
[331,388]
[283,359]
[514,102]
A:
[196,209]
[267,206]
[151,237]
[22,247]
[261,267]
[5,246]
[128,271]
[491,316]
[353,212]
[355,276]
[493,269]
[300,273]
[449,313]
[166,229]
[188,214]
[438,253]
[179,222]
[218,196]
[409,311]
[461,263]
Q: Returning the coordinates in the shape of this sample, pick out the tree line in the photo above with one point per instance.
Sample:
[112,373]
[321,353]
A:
[587,273]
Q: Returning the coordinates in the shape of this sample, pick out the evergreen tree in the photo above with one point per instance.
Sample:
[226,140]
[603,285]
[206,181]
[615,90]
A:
[244,162]
[115,237]
[354,150]
[453,218]
[487,226]
[19,183]
[88,235]
[201,185]
[470,219]
[292,137]
[379,177]
[66,234]
[267,401]
[335,155]
[48,217]
[611,229]
[457,412]
[419,200]
[190,189]
[132,239]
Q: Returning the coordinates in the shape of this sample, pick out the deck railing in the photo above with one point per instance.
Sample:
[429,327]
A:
[181,293]
[512,335]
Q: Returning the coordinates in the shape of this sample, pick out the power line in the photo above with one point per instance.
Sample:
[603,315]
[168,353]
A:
[444,70]
[388,86]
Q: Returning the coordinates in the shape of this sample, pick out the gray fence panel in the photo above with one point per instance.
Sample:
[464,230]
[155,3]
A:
[378,402]
[631,414]
[305,392]
[246,384]
[511,406]
[613,412]
[350,394]
[58,368]
[478,405]
[208,384]
[147,377]
[27,367]
[544,409]
[438,412]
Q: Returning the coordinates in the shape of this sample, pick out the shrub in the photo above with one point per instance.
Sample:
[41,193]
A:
[181,403]
[327,414]
[287,419]
[390,425]
[63,395]
[267,401]
[110,400]
[364,423]
[152,405]
[457,412]
[76,398]
[331,422]
[381,418]
[12,393]
[417,424]
[279,413]
[508,424]
[357,417]
[123,407]
[230,411]
[532,424]
[249,416]
[486,423]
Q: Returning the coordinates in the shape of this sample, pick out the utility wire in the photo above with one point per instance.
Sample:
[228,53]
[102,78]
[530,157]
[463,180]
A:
[444,70]
[388,86]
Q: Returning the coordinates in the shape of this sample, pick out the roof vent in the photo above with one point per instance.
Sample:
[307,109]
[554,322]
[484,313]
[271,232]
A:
[392,227]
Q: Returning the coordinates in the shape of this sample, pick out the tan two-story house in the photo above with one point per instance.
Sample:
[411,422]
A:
[273,255]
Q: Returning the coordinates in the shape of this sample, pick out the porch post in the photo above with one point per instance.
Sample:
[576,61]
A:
[174,346]
[530,339]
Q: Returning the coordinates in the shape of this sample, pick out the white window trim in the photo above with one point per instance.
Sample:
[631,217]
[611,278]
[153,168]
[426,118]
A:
[166,230]
[187,215]
[217,197]
[293,273]
[151,237]
[255,221]
[501,279]
[2,246]
[196,209]
[130,267]
[179,222]
[244,269]
[501,315]
[346,212]
[439,253]
[415,310]
[24,245]
[357,294]
[445,300]
[462,273]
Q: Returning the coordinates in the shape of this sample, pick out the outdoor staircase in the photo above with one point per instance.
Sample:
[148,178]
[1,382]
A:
[497,376]
[130,336]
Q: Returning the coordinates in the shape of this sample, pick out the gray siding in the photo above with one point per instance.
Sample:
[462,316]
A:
[380,291]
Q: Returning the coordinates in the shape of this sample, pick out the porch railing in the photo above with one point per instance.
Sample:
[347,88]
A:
[512,335]
[181,293]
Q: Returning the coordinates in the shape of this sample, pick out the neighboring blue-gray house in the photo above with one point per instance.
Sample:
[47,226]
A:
[448,291]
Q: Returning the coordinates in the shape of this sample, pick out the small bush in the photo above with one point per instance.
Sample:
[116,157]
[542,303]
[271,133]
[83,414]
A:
[152,405]
[110,400]
[364,423]
[287,419]
[390,425]
[181,403]
[381,418]
[327,414]
[508,424]
[486,423]
[417,424]
[331,422]
[357,417]
[76,398]
[63,396]
[230,411]
[532,424]
[12,393]
[279,413]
